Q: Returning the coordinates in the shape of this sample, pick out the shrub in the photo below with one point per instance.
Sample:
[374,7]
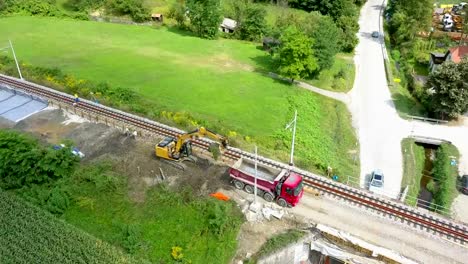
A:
[26,162]
[131,238]
[134,8]
[445,174]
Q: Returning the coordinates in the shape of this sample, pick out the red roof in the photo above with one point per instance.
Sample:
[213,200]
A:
[458,53]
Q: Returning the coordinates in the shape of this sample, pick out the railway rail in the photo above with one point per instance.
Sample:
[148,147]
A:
[436,224]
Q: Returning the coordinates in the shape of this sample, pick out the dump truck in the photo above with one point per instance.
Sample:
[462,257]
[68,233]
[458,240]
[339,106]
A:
[280,185]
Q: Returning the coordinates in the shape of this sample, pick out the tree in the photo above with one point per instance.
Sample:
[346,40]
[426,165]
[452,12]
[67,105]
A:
[295,57]
[408,17]
[178,11]
[333,8]
[448,89]
[2,5]
[205,16]
[324,32]
[349,26]
[254,24]
[464,25]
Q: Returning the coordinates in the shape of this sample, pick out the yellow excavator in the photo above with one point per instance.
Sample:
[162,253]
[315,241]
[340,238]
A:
[180,148]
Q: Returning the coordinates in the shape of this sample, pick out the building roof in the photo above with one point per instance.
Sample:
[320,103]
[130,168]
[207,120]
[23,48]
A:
[229,23]
[438,10]
[458,53]
[438,55]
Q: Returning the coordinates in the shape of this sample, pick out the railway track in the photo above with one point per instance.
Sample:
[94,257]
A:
[436,224]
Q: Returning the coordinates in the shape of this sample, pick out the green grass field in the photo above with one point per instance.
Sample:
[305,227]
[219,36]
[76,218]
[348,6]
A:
[218,81]
[413,166]
[150,229]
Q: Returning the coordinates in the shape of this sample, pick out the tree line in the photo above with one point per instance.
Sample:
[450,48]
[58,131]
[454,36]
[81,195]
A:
[136,9]
[301,44]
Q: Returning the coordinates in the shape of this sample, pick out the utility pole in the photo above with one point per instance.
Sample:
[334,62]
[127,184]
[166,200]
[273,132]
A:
[291,161]
[255,181]
[14,56]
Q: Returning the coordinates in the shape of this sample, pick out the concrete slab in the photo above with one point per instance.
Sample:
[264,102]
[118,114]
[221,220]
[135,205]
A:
[24,111]
[12,103]
[16,105]
[5,94]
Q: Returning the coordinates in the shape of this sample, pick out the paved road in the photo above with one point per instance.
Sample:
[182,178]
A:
[378,125]
[379,128]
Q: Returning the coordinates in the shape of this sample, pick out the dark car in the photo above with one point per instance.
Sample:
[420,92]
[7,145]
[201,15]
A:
[375,34]
[464,184]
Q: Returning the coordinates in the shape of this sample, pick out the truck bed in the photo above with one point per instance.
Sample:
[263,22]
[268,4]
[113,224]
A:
[263,172]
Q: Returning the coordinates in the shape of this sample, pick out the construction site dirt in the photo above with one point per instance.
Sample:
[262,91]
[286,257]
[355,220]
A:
[135,158]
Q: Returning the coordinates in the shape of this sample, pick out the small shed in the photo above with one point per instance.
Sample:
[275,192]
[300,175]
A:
[157,17]
[270,42]
[436,59]
[228,25]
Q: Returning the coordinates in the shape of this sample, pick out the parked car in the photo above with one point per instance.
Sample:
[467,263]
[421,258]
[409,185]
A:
[74,150]
[464,184]
[377,181]
[375,34]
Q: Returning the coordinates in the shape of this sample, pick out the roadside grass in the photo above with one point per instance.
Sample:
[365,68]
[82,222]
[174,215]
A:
[217,82]
[340,77]
[206,229]
[275,243]
[445,2]
[405,103]
[413,166]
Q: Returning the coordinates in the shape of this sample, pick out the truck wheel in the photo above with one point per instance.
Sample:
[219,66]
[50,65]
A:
[249,188]
[239,185]
[282,202]
[268,197]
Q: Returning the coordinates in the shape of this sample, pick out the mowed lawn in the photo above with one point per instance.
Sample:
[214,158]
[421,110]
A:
[214,80]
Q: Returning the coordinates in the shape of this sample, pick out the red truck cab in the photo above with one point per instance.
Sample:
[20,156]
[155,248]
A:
[283,186]
[291,189]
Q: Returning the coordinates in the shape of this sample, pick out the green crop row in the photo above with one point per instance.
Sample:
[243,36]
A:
[31,235]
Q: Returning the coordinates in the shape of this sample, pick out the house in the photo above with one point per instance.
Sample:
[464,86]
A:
[228,25]
[454,54]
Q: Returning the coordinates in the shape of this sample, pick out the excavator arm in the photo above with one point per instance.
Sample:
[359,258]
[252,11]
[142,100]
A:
[200,132]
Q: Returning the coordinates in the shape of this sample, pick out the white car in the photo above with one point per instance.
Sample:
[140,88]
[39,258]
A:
[377,182]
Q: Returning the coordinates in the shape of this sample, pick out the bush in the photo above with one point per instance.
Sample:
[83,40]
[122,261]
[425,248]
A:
[177,12]
[131,238]
[83,5]
[25,162]
[445,174]
[31,7]
[217,218]
[134,8]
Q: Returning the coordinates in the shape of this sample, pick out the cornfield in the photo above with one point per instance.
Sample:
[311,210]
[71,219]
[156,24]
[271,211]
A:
[31,235]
